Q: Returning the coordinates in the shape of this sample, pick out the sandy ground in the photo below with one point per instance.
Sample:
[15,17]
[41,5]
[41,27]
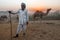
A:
[45,30]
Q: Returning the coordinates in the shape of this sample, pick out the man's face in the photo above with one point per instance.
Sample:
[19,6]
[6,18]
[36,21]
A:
[23,7]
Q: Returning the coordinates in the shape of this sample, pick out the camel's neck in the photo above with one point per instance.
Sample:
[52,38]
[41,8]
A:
[46,12]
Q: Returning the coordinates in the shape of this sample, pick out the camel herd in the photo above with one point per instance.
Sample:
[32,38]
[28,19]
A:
[39,14]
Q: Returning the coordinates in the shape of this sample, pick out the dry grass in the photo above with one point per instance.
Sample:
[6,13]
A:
[35,31]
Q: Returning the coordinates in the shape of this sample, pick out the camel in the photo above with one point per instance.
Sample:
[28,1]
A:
[40,13]
[3,17]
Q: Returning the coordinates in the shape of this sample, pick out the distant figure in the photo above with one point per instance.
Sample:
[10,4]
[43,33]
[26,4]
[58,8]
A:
[40,13]
[23,19]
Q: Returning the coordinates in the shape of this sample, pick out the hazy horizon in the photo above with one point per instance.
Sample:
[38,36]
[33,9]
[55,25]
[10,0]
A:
[31,4]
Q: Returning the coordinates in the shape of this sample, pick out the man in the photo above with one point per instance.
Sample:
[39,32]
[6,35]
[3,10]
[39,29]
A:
[23,19]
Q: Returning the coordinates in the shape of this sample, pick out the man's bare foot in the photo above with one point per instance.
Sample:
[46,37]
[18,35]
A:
[16,36]
[24,34]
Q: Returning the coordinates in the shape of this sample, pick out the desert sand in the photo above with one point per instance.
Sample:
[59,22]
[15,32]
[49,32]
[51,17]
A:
[45,30]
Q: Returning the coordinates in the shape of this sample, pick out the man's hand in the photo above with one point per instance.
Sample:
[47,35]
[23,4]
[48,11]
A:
[9,11]
[26,23]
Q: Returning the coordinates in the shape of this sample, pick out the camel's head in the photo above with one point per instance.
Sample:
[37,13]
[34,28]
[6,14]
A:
[48,9]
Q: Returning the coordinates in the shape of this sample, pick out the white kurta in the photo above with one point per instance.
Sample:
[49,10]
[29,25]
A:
[23,16]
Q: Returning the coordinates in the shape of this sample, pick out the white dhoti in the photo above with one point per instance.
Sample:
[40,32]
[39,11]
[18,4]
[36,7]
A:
[21,28]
